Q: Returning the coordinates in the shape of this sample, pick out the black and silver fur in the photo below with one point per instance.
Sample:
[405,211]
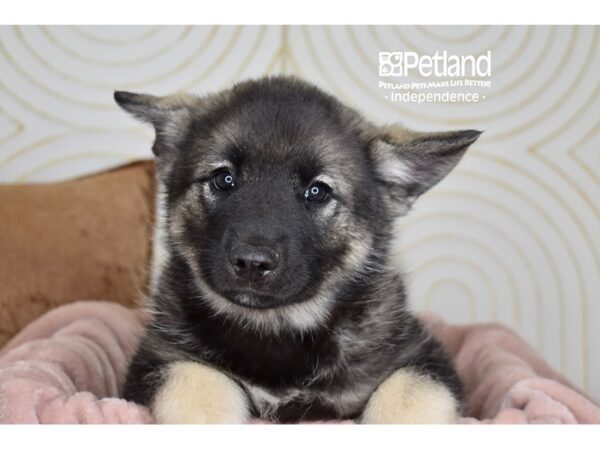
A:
[314,335]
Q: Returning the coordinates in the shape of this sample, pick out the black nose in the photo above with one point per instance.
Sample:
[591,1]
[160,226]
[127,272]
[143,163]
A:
[253,263]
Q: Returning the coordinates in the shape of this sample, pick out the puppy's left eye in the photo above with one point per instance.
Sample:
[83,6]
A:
[317,193]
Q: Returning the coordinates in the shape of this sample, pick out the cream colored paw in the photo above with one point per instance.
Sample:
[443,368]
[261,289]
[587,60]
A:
[195,393]
[409,397]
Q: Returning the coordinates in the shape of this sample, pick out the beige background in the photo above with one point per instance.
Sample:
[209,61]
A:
[512,236]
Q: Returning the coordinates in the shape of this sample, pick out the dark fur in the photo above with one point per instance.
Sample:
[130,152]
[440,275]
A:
[279,133]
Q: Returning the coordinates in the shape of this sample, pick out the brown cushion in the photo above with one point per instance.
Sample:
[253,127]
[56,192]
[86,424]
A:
[84,239]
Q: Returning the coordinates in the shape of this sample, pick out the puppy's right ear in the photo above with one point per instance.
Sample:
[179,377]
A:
[170,115]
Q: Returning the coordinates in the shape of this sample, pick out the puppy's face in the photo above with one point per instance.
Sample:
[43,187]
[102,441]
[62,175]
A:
[260,199]
[276,194]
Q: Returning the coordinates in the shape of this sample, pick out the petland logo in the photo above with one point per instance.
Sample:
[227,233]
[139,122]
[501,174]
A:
[398,64]
[407,77]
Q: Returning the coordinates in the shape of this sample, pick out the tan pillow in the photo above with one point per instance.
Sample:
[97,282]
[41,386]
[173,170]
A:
[84,239]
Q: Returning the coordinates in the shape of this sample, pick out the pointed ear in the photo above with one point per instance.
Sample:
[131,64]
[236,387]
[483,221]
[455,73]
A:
[410,163]
[170,115]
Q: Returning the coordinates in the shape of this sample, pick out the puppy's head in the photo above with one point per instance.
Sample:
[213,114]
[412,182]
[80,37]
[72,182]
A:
[276,194]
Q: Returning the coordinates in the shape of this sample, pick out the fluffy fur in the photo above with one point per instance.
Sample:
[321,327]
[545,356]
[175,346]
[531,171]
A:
[314,329]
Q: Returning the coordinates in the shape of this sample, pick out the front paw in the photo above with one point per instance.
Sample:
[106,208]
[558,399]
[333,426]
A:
[195,393]
[411,398]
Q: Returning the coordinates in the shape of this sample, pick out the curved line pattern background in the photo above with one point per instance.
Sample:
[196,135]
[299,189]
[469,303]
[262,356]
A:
[512,236]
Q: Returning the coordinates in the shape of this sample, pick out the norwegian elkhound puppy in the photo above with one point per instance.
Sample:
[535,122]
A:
[273,295]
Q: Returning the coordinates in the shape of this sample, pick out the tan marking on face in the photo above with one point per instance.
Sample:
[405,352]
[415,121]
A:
[208,167]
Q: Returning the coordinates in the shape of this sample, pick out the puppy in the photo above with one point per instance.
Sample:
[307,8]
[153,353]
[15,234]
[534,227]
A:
[272,295]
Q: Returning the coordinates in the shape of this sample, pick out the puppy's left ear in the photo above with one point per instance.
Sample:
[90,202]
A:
[410,163]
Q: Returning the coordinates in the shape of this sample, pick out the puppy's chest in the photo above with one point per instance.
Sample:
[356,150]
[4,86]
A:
[316,379]
[292,405]
[276,362]
[329,388]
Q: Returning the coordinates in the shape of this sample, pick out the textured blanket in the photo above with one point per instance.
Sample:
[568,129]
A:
[68,367]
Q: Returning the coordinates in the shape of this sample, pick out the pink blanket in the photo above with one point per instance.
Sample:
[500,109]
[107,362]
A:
[68,366]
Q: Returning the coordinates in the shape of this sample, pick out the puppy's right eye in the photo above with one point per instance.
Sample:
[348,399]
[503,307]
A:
[223,180]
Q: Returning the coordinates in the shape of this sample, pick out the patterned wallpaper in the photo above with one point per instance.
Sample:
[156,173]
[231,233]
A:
[512,236]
